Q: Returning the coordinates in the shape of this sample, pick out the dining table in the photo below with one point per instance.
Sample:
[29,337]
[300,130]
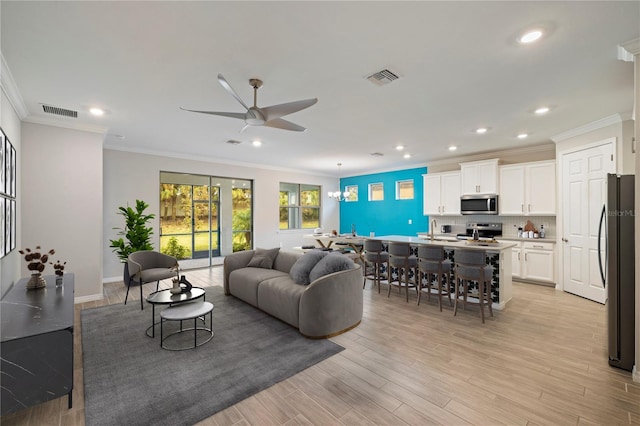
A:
[354,242]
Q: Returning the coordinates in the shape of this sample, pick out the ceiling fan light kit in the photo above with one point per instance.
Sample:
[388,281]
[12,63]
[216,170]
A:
[255,116]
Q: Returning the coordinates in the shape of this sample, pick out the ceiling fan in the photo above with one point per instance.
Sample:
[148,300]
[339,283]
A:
[267,116]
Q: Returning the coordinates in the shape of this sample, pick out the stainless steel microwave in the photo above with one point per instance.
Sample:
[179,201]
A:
[479,204]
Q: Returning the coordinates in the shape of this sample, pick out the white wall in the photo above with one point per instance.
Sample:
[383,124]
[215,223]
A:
[61,175]
[10,264]
[130,176]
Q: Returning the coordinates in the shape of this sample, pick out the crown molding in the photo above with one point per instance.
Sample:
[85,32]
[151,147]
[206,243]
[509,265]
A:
[10,89]
[205,159]
[590,127]
[56,122]
[524,150]
[629,49]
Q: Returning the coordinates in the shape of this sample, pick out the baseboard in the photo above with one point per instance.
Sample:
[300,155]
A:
[111,280]
[635,374]
[89,298]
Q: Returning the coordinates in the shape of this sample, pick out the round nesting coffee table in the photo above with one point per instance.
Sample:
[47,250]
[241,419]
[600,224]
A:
[183,312]
[165,297]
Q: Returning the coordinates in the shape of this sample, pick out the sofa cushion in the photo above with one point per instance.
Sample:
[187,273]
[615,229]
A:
[280,297]
[263,258]
[303,266]
[330,264]
[243,282]
[285,260]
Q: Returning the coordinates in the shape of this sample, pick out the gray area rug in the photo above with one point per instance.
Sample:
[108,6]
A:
[129,379]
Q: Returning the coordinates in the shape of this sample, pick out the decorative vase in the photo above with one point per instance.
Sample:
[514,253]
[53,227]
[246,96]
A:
[59,280]
[176,287]
[36,282]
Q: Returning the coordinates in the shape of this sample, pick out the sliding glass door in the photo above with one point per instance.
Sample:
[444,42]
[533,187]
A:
[203,218]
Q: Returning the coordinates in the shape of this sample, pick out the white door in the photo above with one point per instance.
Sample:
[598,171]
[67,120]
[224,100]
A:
[583,186]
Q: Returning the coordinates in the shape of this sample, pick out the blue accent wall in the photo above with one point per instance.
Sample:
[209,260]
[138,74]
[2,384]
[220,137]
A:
[387,217]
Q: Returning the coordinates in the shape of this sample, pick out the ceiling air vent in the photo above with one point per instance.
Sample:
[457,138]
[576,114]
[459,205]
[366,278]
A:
[59,111]
[383,77]
[377,154]
[233,142]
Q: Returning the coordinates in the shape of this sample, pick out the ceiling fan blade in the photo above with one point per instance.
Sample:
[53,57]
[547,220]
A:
[227,86]
[277,111]
[279,123]
[240,115]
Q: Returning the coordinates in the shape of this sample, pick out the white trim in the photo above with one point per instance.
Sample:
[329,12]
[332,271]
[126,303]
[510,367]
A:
[590,127]
[631,47]
[89,298]
[111,280]
[56,122]
[10,89]
[454,161]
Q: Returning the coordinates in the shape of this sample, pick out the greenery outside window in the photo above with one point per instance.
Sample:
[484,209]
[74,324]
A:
[299,206]
[353,193]
[404,190]
[376,191]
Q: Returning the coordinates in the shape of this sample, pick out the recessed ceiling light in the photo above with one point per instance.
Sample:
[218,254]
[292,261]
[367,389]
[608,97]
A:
[531,36]
[96,111]
[542,110]
[256,143]
[453,148]
[407,155]
[481,130]
[522,136]
[400,147]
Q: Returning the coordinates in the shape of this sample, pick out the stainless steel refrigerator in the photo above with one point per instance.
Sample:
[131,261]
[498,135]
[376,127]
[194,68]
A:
[618,273]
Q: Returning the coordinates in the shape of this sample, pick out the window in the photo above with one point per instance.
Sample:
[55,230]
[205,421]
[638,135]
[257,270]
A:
[353,192]
[376,191]
[404,190]
[299,206]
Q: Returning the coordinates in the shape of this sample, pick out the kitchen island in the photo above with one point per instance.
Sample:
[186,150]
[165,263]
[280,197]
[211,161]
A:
[498,256]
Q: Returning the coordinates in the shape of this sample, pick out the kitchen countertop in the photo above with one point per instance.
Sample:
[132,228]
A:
[540,240]
[499,246]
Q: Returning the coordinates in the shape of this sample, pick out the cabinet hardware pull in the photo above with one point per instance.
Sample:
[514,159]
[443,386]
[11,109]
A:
[518,255]
[525,256]
[529,207]
[540,247]
[522,207]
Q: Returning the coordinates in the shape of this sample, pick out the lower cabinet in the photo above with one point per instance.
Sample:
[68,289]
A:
[534,261]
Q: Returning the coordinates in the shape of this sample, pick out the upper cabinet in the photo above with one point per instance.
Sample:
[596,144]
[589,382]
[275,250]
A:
[442,193]
[528,189]
[479,177]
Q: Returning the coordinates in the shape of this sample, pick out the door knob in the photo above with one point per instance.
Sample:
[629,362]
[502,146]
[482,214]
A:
[565,240]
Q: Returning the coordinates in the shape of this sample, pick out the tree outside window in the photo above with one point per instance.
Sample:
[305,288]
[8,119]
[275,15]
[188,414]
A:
[299,206]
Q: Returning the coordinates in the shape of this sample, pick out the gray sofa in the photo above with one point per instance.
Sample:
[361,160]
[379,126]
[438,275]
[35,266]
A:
[329,305]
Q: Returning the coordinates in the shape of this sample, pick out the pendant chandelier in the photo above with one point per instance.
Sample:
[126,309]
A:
[337,195]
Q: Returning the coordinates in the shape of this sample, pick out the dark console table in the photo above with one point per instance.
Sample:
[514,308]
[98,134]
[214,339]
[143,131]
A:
[36,344]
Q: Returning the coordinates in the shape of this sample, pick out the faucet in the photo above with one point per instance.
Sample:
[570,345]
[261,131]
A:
[431,227]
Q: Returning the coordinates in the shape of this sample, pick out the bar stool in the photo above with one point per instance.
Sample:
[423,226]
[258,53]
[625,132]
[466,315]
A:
[431,261]
[374,257]
[400,257]
[471,266]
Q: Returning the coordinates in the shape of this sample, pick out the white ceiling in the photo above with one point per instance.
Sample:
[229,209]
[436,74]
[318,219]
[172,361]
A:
[459,65]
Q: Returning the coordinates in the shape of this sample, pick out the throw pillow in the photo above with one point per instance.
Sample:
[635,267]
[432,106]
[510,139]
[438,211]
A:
[263,258]
[330,264]
[303,266]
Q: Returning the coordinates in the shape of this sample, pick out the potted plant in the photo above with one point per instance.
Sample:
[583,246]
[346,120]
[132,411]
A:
[136,232]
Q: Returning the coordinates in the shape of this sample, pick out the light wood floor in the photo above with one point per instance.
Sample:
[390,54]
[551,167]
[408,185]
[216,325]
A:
[541,361]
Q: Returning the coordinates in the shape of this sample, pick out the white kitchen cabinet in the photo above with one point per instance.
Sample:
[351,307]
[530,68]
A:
[479,177]
[516,261]
[528,189]
[538,264]
[442,193]
[533,261]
